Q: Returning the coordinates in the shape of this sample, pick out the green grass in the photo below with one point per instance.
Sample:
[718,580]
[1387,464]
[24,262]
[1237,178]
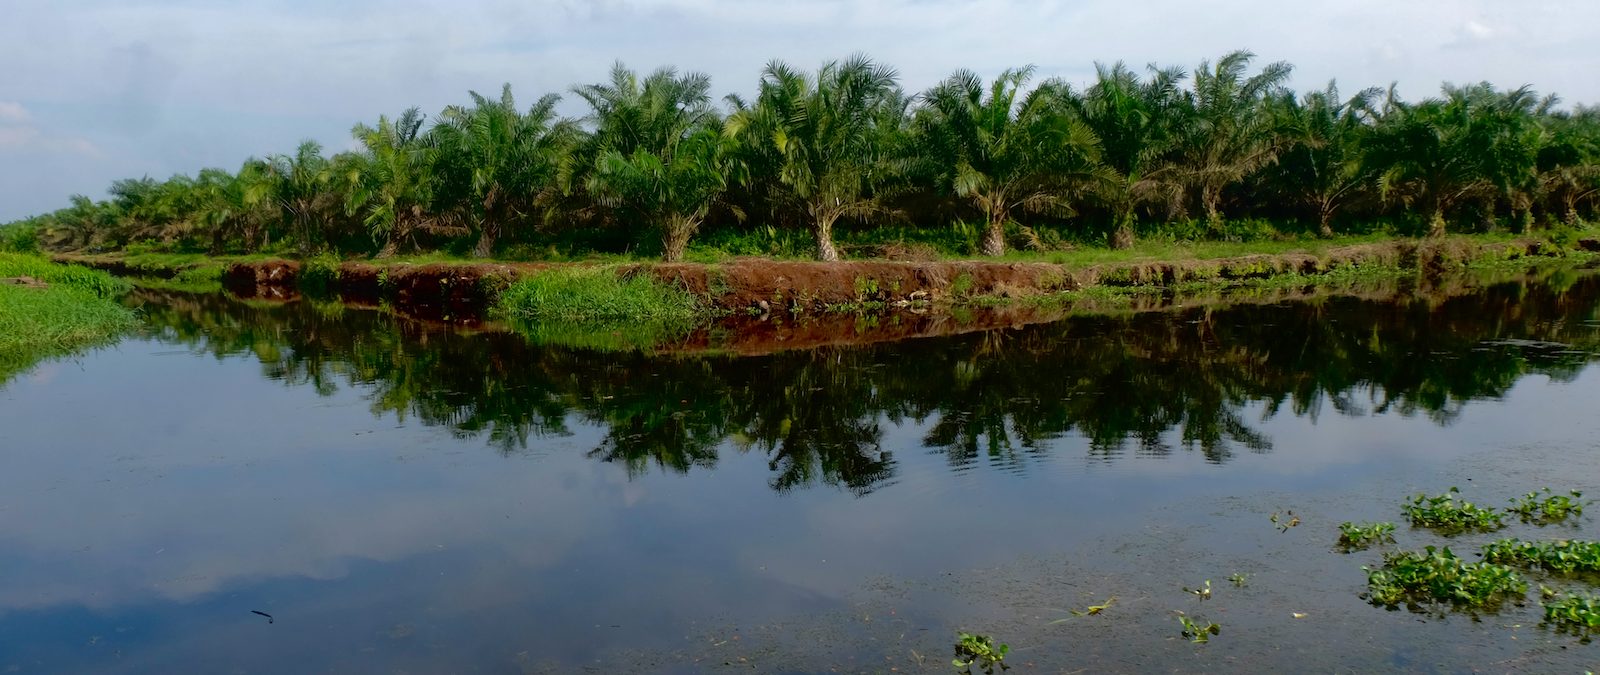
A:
[597,294]
[76,310]
[99,283]
[57,318]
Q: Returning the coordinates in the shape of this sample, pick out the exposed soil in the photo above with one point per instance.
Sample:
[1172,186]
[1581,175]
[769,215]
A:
[757,286]
[24,281]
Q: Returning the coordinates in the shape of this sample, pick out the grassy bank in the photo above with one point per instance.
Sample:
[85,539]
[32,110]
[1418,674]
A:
[599,294]
[56,309]
[608,292]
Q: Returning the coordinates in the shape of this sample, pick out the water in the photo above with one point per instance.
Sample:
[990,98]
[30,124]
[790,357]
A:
[412,498]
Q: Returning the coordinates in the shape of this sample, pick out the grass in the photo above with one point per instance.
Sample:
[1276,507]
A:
[597,294]
[77,309]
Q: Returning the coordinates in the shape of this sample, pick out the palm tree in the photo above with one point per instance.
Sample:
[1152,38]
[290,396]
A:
[1229,136]
[1569,161]
[513,158]
[658,151]
[999,155]
[229,204]
[1321,159]
[300,189]
[1442,152]
[1135,124]
[396,181]
[823,136]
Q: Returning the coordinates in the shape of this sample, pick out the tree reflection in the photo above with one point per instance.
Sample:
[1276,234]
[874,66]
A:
[1195,379]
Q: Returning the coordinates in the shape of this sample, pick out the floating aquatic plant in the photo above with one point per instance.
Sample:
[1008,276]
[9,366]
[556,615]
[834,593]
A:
[1353,537]
[1556,556]
[1449,514]
[1439,576]
[1550,509]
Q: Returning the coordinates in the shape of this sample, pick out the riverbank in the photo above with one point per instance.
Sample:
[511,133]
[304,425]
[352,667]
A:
[48,308]
[605,291]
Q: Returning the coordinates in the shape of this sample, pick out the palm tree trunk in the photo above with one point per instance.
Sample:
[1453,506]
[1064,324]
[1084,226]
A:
[994,236]
[1436,222]
[487,236]
[1325,223]
[822,231]
[675,234]
[1123,236]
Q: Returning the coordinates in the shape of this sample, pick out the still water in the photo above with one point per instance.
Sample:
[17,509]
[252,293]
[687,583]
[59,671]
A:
[400,497]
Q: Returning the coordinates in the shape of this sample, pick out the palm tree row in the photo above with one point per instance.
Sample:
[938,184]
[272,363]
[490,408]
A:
[656,158]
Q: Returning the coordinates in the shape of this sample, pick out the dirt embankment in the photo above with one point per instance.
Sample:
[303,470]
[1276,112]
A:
[463,290]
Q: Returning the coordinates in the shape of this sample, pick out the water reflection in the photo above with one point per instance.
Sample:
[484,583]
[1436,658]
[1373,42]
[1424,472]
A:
[1153,382]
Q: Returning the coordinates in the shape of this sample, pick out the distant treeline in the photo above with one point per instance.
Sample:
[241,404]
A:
[656,160]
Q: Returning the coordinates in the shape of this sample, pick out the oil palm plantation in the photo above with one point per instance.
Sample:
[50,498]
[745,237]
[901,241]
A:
[1136,125]
[1439,153]
[822,136]
[511,159]
[1229,135]
[394,180]
[1001,154]
[658,151]
[300,189]
[1320,161]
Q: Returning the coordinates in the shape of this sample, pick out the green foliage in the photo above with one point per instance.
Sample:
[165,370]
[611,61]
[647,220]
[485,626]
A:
[981,651]
[1550,509]
[589,293]
[1578,614]
[1449,515]
[1203,592]
[99,283]
[19,238]
[1353,537]
[1556,556]
[1439,576]
[1239,579]
[1220,152]
[319,273]
[1198,630]
[75,310]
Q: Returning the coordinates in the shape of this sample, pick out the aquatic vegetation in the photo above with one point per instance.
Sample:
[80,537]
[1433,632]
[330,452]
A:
[1353,537]
[1286,521]
[1439,576]
[1556,556]
[1450,515]
[1203,592]
[981,651]
[1198,630]
[1239,579]
[1550,509]
[1091,610]
[596,294]
[1578,614]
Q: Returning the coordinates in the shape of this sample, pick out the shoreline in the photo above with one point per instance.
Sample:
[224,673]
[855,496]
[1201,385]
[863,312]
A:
[754,287]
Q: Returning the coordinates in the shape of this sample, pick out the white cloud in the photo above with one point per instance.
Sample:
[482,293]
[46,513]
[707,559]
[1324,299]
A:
[12,112]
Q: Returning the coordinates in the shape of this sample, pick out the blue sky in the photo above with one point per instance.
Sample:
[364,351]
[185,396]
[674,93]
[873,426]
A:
[97,90]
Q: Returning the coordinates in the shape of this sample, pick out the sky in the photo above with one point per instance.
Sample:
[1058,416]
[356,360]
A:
[94,90]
